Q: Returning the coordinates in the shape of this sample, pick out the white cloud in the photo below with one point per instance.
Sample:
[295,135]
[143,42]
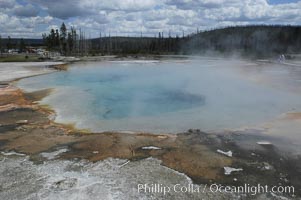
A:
[7,4]
[149,16]
[22,27]
[26,11]
[125,5]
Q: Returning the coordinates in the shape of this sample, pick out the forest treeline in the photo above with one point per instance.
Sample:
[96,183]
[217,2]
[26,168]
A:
[255,40]
[75,42]
[260,40]
[62,40]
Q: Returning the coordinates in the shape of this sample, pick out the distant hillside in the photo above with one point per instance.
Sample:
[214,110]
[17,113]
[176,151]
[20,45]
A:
[259,41]
[136,45]
[16,41]
[247,40]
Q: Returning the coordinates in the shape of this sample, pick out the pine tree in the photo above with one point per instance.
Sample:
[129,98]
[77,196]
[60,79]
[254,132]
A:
[63,36]
[69,42]
[56,39]
[22,45]
[52,39]
[72,42]
[0,44]
[9,44]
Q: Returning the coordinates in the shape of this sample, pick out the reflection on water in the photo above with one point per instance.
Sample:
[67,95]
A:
[167,96]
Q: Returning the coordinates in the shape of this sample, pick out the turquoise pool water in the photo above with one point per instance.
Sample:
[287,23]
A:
[165,96]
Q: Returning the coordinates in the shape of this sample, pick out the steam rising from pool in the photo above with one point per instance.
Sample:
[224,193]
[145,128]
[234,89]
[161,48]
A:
[165,96]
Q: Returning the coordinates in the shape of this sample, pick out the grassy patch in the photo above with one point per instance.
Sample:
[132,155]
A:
[20,58]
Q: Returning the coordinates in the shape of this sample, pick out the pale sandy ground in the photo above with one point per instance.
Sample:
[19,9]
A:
[14,70]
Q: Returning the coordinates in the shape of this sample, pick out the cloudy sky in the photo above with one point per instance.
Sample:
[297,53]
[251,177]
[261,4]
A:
[30,18]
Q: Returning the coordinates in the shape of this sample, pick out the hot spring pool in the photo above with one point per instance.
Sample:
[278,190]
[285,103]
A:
[166,96]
